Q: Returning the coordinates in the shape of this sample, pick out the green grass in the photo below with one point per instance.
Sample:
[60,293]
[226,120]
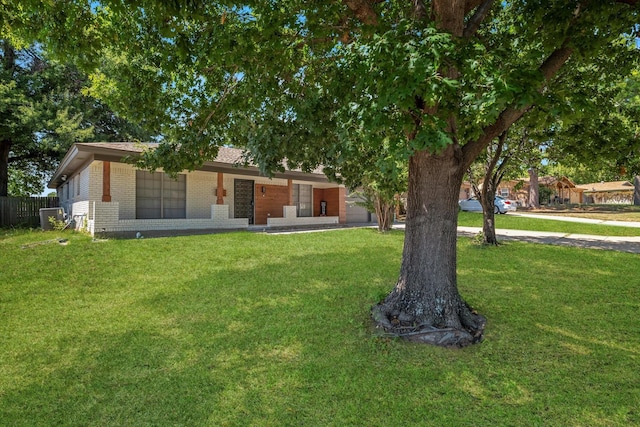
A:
[510,221]
[244,329]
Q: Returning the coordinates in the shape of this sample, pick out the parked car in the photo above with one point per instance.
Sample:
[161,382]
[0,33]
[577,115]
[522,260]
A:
[502,205]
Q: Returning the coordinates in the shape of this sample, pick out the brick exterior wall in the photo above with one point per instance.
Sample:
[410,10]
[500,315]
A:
[201,193]
[81,196]
[74,195]
[336,204]
[269,204]
[123,189]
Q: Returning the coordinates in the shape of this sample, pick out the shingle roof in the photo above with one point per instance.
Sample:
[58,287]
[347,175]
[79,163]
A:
[225,154]
[607,186]
[138,147]
[228,158]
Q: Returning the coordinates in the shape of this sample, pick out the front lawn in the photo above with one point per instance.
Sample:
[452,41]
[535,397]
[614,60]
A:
[242,329]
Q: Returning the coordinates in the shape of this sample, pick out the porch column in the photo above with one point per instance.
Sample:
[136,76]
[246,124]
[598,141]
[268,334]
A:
[106,181]
[290,191]
[220,190]
[342,205]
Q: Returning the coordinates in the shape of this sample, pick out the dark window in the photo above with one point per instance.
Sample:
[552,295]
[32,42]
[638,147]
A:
[160,196]
[302,199]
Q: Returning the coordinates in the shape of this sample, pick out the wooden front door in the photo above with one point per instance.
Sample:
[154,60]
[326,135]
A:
[243,199]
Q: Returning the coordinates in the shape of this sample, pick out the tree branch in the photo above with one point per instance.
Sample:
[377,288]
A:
[363,10]
[419,10]
[493,161]
[477,18]
[510,115]
[471,4]
[449,15]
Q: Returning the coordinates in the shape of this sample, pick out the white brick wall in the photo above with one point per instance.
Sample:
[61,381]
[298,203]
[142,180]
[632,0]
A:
[123,188]
[103,217]
[221,218]
[202,211]
[201,193]
[290,218]
[80,214]
[228,185]
[95,181]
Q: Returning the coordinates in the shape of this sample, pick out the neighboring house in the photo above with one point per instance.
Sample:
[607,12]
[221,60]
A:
[563,190]
[616,192]
[105,195]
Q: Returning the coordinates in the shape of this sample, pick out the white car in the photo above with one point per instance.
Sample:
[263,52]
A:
[502,205]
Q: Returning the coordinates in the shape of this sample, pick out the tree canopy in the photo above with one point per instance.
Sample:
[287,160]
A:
[428,83]
[43,110]
[267,76]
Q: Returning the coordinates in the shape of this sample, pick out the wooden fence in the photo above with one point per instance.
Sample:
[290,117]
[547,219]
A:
[24,211]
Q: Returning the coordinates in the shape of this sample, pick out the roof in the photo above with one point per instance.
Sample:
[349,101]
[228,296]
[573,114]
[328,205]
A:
[228,160]
[602,186]
[545,180]
[564,182]
[225,154]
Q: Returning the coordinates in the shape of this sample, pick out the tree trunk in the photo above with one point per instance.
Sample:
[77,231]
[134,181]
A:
[384,213]
[487,200]
[636,193]
[5,148]
[534,189]
[492,178]
[425,305]
[9,64]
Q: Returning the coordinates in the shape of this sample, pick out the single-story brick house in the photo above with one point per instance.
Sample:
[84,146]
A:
[105,195]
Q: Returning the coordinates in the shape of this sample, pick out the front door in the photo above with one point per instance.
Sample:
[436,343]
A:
[243,199]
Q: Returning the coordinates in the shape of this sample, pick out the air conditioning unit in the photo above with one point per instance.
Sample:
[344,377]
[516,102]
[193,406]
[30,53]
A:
[46,213]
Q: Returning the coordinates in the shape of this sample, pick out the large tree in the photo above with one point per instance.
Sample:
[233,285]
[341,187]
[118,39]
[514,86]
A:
[43,110]
[35,126]
[433,82]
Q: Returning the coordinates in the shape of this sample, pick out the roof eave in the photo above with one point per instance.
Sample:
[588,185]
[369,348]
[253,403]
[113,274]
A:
[79,154]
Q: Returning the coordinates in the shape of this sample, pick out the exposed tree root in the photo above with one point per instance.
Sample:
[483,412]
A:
[470,333]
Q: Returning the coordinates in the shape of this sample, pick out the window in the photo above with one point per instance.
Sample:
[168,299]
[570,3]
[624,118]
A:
[504,192]
[159,196]
[302,199]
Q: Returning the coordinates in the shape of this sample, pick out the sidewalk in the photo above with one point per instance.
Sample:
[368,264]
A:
[614,243]
[577,219]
